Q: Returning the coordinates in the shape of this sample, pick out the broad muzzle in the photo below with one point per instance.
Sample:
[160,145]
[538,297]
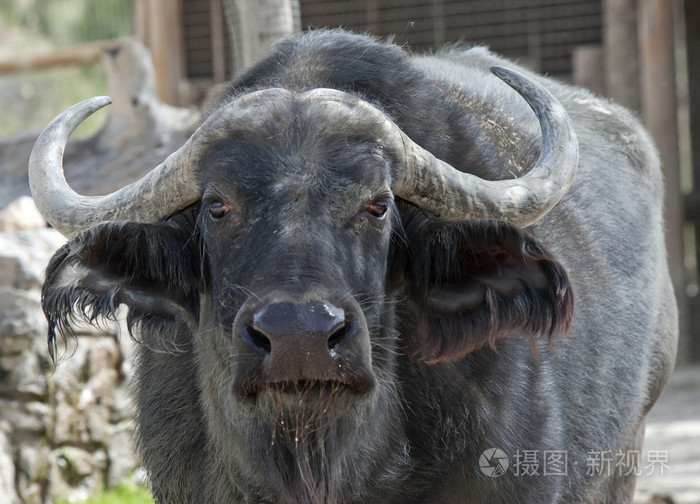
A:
[292,347]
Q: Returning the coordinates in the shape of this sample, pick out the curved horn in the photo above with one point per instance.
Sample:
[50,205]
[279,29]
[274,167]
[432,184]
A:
[439,188]
[421,178]
[163,191]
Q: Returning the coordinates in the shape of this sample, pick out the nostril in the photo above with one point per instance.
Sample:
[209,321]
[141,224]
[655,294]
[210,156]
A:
[339,335]
[258,339]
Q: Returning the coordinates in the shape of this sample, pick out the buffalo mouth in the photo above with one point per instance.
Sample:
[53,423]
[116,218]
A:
[305,390]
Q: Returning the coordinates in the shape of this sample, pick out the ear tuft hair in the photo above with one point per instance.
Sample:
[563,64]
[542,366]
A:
[151,268]
[472,282]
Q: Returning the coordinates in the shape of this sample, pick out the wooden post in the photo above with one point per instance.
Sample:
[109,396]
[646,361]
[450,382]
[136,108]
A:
[75,55]
[588,68]
[249,17]
[141,21]
[620,51]
[692,35]
[159,27]
[262,24]
[659,109]
[218,53]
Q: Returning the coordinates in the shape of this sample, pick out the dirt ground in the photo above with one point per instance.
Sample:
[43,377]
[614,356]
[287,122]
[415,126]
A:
[671,453]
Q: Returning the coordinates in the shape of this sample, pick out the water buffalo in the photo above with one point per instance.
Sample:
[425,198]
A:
[355,283]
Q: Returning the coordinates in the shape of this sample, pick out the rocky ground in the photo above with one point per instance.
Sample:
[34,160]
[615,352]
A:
[66,430]
[672,474]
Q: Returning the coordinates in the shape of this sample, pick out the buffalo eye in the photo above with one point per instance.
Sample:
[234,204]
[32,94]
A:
[378,209]
[217,210]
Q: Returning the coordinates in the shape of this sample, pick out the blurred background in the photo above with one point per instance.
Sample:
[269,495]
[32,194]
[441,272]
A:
[641,53]
[644,54]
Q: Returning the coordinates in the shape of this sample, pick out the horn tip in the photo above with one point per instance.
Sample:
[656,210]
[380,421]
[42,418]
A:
[100,101]
[92,105]
[504,73]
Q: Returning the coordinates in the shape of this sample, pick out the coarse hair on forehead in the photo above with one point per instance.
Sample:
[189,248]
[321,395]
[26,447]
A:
[297,155]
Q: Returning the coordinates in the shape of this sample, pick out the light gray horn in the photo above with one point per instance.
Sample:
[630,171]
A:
[441,189]
[166,189]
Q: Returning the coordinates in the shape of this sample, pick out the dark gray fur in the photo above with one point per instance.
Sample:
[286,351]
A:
[450,382]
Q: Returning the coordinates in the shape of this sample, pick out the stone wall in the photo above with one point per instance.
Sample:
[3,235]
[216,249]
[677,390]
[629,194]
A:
[65,430]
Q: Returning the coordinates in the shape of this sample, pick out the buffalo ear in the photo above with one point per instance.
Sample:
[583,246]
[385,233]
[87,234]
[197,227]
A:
[471,282]
[151,268]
